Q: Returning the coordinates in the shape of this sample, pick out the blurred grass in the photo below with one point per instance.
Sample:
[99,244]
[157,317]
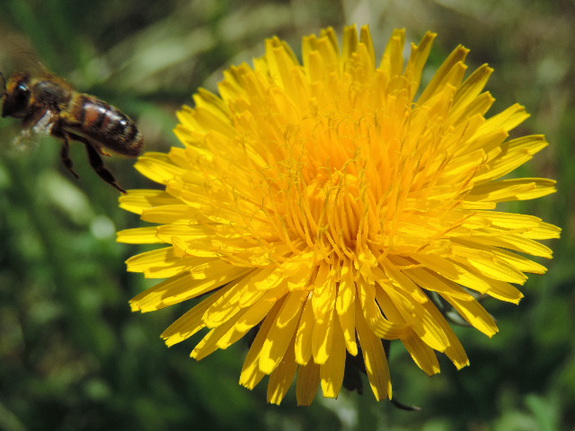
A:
[74,357]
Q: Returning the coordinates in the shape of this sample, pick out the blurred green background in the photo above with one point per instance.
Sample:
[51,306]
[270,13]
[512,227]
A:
[73,356]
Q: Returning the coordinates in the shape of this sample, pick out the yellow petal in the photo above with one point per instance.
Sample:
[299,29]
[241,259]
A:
[381,326]
[191,322]
[392,61]
[511,190]
[423,355]
[210,343]
[416,62]
[345,307]
[281,332]
[184,287]
[178,213]
[246,320]
[307,383]
[475,314]
[138,200]
[303,341]
[332,371]
[158,167]
[322,337]
[141,235]
[161,263]
[374,358]
[251,373]
[444,74]
[282,377]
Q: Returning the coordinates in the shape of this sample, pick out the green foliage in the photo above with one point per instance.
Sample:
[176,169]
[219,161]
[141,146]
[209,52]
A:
[73,355]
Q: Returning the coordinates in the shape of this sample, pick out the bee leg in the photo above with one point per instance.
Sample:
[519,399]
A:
[98,165]
[65,156]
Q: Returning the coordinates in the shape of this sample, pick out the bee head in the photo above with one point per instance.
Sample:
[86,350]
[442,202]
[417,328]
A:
[16,96]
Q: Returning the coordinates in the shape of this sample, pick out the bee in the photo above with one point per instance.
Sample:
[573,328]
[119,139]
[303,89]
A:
[49,105]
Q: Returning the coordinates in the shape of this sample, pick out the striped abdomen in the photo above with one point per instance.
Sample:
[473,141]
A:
[104,125]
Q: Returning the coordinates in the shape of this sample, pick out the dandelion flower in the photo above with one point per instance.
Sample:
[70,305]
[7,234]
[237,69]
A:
[330,204]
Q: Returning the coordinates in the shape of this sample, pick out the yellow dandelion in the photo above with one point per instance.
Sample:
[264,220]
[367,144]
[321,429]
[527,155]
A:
[324,203]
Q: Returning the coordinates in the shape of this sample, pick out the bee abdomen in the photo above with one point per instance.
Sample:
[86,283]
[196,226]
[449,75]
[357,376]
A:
[106,125]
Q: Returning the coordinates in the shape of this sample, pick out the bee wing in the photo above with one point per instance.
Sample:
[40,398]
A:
[31,132]
[44,125]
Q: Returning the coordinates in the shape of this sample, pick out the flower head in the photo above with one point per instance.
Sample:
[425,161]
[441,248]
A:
[331,204]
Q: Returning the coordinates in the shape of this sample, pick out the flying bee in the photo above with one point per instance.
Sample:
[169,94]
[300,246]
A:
[47,104]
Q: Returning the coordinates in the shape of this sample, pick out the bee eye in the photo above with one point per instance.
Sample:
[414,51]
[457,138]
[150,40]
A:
[16,102]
